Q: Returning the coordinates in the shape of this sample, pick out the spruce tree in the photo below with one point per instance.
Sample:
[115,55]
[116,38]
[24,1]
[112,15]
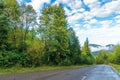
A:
[87,57]
[86,49]
[74,46]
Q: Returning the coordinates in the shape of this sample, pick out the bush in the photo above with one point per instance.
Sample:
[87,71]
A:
[25,60]
[87,59]
[8,59]
[11,59]
[65,62]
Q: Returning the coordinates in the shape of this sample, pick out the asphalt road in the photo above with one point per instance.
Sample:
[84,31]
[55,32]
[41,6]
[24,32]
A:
[103,72]
[99,72]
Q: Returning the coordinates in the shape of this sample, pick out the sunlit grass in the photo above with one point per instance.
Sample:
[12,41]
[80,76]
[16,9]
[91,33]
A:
[14,70]
[116,66]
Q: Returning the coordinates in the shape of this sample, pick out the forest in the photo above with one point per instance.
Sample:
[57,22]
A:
[28,39]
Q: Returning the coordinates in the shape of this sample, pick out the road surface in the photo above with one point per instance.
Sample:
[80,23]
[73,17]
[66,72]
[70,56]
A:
[99,72]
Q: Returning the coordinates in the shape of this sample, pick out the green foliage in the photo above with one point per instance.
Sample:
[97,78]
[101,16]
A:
[50,42]
[111,58]
[74,46]
[116,66]
[11,59]
[117,54]
[26,43]
[104,57]
[99,59]
[54,31]
[4,29]
[36,50]
[11,3]
[27,21]
[25,60]
[86,49]
[8,59]
[65,62]
[87,57]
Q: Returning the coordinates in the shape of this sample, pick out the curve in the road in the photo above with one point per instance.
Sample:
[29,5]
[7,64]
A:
[103,72]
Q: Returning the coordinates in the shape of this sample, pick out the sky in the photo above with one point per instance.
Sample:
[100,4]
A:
[99,20]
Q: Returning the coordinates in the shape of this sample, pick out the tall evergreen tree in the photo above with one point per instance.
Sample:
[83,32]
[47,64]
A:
[87,57]
[85,49]
[54,31]
[74,46]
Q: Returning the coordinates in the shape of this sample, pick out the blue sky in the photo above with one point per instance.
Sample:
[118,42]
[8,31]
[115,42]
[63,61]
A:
[99,20]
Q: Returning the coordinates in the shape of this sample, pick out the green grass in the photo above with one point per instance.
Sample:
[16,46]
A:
[116,66]
[14,70]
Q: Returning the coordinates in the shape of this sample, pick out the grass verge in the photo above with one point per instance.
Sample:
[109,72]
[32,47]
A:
[116,66]
[15,70]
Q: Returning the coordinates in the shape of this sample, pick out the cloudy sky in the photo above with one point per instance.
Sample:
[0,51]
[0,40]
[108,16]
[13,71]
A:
[99,20]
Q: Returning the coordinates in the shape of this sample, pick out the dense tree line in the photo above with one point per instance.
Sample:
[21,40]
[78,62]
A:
[105,57]
[26,42]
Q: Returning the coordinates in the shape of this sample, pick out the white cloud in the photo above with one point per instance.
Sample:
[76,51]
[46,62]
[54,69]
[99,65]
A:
[74,11]
[92,3]
[113,6]
[77,25]
[72,19]
[64,1]
[101,11]
[87,15]
[106,23]
[76,4]
[107,9]
[76,8]
[73,4]
[102,36]
[117,19]
[37,4]
[67,11]
[87,2]
[87,26]
[93,21]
